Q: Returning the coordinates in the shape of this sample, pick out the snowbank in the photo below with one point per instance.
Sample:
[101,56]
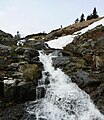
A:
[63,41]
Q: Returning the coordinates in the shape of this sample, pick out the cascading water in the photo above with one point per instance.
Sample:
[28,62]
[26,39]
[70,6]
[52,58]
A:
[63,99]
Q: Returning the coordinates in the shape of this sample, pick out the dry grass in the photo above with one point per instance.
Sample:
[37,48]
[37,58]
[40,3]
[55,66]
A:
[70,29]
[31,72]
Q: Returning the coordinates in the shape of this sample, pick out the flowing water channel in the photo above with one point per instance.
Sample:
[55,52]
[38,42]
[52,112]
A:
[63,99]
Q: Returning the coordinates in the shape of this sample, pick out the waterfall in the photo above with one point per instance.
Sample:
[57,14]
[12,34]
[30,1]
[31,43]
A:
[63,100]
[41,88]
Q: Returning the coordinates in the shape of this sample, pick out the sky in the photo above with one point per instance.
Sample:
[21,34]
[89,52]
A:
[34,16]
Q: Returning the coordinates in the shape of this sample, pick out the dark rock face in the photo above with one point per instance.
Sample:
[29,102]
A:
[86,66]
[81,78]
[14,113]
[30,53]
[39,46]
[60,61]
[20,70]
[1,88]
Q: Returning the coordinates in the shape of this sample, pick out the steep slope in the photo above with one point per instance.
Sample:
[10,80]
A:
[85,65]
[64,40]
[69,30]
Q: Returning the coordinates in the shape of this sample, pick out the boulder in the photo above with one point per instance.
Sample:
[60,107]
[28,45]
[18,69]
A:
[30,53]
[39,45]
[5,50]
[1,88]
[33,60]
[31,72]
[83,79]
[13,67]
[19,91]
[60,61]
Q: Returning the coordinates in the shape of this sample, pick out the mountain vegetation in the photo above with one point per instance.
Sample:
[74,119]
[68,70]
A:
[20,66]
[93,15]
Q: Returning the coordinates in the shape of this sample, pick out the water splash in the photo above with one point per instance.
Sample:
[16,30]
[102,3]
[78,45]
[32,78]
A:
[63,99]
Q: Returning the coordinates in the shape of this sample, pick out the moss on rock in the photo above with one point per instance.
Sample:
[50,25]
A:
[31,72]
[80,63]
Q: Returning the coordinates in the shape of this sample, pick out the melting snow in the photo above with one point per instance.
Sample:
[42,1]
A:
[63,41]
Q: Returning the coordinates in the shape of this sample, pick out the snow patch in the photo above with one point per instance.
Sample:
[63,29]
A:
[63,41]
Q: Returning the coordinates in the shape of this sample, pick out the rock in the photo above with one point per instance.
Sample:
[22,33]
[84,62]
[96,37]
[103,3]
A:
[32,117]
[39,45]
[39,64]
[20,50]
[16,58]
[30,53]
[10,93]
[17,75]
[13,67]
[100,42]
[33,60]
[1,104]
[25,92]
[5,50]
[6,39]
[98,62]
[19,91]
[16,112]
[40,92]
[3,63]
[60,61]
[82,78]
[1,88]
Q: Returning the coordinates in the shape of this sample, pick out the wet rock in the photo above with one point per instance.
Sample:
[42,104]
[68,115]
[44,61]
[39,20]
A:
[30,53]
[1,105]
[26,92]
[86,68]
[32,117]
[42,118]
[39,45]
[19,91]
[40,92]
[60,61]
[1,88]
[83,79]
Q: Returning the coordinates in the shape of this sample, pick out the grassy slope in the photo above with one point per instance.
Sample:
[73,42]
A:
[70,29]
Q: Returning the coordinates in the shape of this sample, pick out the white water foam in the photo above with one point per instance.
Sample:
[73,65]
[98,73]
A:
[63,99]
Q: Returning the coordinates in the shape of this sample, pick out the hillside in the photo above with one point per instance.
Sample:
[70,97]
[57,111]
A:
[79,53]
[83,62]
[69,30]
